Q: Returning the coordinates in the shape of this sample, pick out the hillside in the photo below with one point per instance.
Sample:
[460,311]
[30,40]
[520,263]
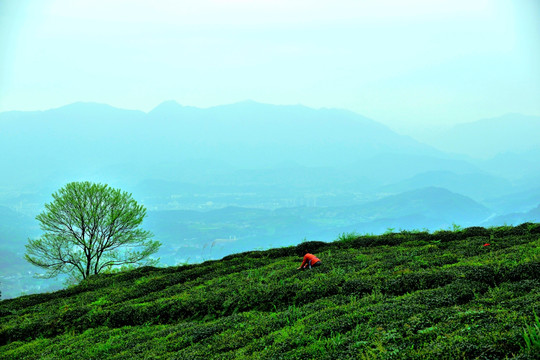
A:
[395,296]
[517,218]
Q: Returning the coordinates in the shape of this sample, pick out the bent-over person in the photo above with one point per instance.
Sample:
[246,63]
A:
[310,261]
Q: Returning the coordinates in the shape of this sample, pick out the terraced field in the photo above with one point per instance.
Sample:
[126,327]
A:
[462,294]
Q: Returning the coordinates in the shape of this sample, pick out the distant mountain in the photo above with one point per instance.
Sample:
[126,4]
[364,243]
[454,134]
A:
[408,222]
[523,167]
[515,202]
[426,208]
[474,185]
[532,215]
[82,139]
[432,202]
[486,138]
[251,134]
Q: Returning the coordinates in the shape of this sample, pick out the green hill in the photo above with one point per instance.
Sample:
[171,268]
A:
[402,295]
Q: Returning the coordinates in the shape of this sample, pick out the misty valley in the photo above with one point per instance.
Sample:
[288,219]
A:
[249,176]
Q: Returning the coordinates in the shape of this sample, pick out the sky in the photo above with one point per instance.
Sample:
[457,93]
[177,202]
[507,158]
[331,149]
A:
[412,65]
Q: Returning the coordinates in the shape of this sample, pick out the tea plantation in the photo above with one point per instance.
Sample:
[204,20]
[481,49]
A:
[406,295]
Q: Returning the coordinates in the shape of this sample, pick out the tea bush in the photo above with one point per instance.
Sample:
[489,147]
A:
[527,271]
[418,281]
[403,295]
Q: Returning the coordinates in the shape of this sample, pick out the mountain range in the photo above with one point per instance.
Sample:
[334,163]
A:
[86,137]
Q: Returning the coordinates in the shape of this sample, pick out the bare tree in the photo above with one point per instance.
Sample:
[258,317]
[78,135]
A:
[89,228]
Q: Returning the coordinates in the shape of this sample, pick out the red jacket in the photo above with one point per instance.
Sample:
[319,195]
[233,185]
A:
[309,259]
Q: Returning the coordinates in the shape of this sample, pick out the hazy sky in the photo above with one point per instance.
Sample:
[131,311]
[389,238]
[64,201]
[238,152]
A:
[407,64]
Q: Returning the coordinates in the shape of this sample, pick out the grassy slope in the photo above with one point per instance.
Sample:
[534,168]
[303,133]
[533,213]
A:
[395,296]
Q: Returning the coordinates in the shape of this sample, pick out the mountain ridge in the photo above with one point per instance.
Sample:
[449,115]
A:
[243,135]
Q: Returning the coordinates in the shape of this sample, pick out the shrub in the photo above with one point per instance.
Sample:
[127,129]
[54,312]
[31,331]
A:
[476,231]
[347,237]
[520,230]
[416,235]
[527,271]
[447,236]
[318,288]
[417,281]
[281,252]
[534,228]
[487,274]
[4,311]
[523,229]
[360,242]
[457,293]
[27,331]
[445,259]
[357,287]
[131,315]
[310,246]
